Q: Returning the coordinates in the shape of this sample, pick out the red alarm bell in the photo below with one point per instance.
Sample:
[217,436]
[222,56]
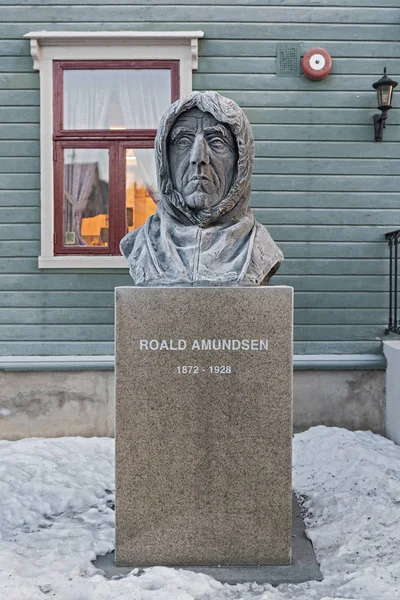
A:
[316,64]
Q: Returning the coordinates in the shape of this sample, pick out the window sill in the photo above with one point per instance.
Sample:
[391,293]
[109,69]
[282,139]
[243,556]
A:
[82,262]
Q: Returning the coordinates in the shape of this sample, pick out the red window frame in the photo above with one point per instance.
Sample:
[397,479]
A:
[116,141]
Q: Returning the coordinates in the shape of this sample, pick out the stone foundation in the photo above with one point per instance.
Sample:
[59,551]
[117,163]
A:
[56,403]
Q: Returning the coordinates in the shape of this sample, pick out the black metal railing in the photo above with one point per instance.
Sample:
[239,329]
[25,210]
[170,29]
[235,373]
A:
[393,238]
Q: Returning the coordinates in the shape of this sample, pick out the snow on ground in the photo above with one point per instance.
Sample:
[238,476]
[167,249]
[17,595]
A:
[56,514]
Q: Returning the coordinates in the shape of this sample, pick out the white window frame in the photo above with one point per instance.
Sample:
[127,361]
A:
[47,46]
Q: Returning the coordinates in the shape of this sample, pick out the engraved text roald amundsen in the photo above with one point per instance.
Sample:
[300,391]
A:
[204,344]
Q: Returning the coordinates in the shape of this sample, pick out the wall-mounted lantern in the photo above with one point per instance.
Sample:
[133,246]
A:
[384,91]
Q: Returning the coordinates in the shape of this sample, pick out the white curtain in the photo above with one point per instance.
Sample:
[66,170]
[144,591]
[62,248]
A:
[87,96]
[143,96]
[78,183]
[102,98]
[146,168]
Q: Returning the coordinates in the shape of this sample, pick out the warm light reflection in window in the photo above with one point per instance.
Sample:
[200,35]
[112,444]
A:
[139,202]
[86,202]
[95,230]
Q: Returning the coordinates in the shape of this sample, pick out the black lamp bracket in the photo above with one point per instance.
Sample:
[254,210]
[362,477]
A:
[380,124]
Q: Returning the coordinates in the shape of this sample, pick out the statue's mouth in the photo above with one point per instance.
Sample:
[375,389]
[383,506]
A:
[199,178]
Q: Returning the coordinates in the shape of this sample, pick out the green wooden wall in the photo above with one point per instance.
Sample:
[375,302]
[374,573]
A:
[325,190]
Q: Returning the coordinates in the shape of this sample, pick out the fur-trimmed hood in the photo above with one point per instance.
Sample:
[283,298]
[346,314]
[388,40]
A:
[228,112]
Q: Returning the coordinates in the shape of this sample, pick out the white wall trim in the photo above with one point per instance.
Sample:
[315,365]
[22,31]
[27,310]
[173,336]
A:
[338,362]
[47,46]
[391,349]
[35,53]
[301,362]
[82,262]
[92,38]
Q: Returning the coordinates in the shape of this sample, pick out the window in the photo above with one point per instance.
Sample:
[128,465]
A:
[102,95]
[105,122]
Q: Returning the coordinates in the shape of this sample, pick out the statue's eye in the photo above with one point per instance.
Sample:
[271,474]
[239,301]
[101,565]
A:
[183,141]
[217,144]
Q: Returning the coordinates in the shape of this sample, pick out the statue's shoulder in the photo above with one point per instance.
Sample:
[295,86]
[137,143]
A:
[266,257]
[128,242]
[138,239]
[264,240]
[139,252]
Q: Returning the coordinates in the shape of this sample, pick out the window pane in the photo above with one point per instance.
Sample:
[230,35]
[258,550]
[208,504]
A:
[115,98]
[86,196]
[141,186]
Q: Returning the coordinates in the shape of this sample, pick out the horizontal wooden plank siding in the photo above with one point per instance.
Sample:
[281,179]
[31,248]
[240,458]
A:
[260,15]
[244,30]
[293,266]
[103,316]
[326,191]
[243,3]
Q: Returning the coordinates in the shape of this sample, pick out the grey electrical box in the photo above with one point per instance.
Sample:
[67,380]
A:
[288,57]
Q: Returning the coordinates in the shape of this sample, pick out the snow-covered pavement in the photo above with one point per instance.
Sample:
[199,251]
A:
[56,514]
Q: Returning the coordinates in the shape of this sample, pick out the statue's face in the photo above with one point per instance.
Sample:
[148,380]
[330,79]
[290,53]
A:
[202,159]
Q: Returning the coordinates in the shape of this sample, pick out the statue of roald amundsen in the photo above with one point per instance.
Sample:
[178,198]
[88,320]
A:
[203,232]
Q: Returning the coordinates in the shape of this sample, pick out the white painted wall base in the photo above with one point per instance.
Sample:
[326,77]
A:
[53,403]
[391,349]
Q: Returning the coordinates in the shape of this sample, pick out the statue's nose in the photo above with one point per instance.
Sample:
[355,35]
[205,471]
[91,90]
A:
[199,153]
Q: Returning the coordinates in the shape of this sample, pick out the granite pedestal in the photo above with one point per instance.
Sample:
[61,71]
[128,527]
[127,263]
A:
[203,426]
[304,565]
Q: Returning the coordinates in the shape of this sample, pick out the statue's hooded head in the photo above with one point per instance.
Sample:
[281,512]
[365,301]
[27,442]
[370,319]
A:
[204,157]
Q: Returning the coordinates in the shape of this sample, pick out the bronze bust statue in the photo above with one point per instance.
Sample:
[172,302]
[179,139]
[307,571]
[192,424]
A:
[203,232]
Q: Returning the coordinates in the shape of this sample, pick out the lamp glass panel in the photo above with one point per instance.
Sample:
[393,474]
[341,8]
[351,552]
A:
[385,95]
